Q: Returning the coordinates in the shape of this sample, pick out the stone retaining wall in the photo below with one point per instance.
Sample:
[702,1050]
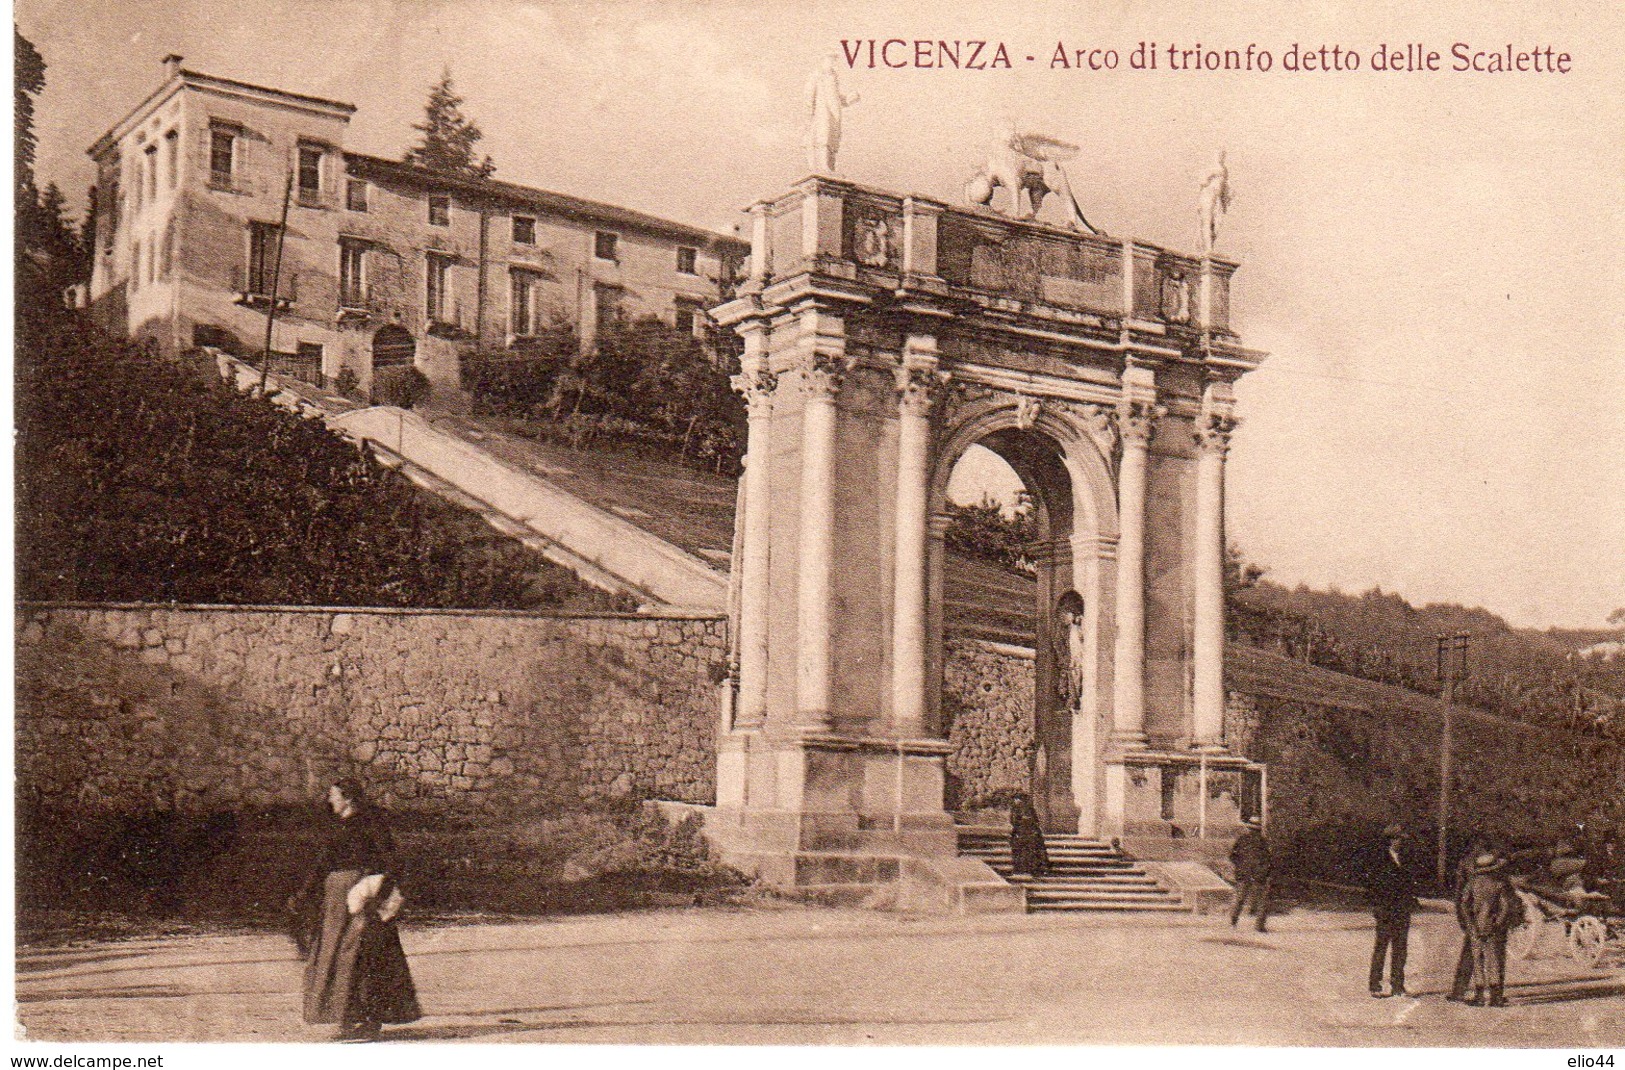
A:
[200,709]
[988,706]
[218,708]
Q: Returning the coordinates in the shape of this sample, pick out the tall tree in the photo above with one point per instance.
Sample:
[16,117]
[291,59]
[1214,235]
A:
[30,79]
[449,136]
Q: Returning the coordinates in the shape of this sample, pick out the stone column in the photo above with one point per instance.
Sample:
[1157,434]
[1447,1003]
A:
[916,381]
[1135,419]
[756,384]
[822,370]
[1213,429]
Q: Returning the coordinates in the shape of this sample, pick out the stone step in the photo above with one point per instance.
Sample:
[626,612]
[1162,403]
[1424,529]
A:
[1084,874]
[1042,890]
[1034,908]
[1130,881]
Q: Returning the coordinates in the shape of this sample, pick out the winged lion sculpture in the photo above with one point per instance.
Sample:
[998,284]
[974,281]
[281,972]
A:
[1029,167]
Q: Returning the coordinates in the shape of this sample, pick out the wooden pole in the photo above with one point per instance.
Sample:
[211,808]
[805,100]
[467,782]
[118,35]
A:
[276,279]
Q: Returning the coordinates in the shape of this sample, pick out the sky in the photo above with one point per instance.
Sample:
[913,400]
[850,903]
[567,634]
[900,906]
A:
[1431,259]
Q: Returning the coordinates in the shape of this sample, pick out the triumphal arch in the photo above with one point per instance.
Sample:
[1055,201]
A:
[883,336]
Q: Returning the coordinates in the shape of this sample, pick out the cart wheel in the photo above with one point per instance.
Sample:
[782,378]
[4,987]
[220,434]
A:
[1587,935]
[1523,940]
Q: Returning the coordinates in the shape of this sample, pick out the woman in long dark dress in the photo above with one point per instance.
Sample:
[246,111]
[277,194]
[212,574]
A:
[1028,856]
[356,975]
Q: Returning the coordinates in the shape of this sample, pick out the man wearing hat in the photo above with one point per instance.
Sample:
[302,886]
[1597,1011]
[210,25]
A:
[1250,862]
[1393,897]
[1463,977]
[1488,909]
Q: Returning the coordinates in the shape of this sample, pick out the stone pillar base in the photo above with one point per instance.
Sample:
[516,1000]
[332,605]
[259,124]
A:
[1155,797]
[849,821]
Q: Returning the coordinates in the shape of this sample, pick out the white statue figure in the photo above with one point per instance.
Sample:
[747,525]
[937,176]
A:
[1213,201]
[825,101]
[1028,166]
[1071,662]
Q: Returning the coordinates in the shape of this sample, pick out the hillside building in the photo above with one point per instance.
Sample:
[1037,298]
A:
[385,264]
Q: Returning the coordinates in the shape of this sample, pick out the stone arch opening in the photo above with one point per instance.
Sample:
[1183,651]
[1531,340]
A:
[393,347]
[1068,479]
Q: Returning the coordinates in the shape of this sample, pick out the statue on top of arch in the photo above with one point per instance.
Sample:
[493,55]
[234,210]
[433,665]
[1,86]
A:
[1213,201]
[1028,166]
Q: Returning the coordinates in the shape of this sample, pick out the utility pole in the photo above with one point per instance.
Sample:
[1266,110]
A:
[276,279]
[1452,665]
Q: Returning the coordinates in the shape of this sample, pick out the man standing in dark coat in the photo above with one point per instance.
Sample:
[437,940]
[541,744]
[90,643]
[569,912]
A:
[1250,862]
[1393,897]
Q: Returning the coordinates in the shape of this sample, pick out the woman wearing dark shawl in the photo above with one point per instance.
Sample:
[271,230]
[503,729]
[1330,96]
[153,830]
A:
[356,975]
[1027,854]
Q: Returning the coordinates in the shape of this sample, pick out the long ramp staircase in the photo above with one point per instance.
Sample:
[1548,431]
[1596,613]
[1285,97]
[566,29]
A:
[1084,874]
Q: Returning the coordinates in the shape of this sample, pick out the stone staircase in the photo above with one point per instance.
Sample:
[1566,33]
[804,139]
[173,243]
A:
[1084,874]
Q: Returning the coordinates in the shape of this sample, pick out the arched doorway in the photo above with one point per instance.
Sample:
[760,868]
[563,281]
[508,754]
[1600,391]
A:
[393,347]
[1052,449]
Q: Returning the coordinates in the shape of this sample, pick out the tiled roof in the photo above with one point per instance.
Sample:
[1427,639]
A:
[559,204]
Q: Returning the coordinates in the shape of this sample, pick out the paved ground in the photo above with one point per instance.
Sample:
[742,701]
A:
[812,976]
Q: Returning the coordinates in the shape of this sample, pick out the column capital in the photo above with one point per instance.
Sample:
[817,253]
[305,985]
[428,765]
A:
[1136,420]
[919,388]
[821,377]
[1212,432]
[757,387]
[824,362]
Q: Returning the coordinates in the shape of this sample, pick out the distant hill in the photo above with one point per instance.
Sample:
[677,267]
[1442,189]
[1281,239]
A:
[1523,673]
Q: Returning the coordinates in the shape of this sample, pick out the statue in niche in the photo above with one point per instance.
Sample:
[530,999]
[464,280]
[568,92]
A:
[1028,166]
[1071,661]
[1213,201]
[825,102]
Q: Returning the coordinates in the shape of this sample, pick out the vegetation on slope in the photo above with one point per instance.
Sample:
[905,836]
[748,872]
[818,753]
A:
[643,386]
[146,479]
[1531,676]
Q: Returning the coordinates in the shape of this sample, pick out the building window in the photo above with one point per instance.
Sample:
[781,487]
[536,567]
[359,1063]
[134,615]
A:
[355,195]
[435,306]
[688,316]
[135,267]
[172,157]
[524,230]
[439,211]
[522,305]
[307,364]
[222,154]
[115,210]
[310,171]
[604,245]
[606,302]
[152,172]
[166,260]
[352,274]
[687,259]
[262,252]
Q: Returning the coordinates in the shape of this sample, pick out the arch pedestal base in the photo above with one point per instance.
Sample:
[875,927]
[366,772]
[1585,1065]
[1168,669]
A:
[848,820]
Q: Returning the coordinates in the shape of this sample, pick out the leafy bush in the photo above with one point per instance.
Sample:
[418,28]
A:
[644,384]
[141,478]
[987,532]
[348,383]
[401,387]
